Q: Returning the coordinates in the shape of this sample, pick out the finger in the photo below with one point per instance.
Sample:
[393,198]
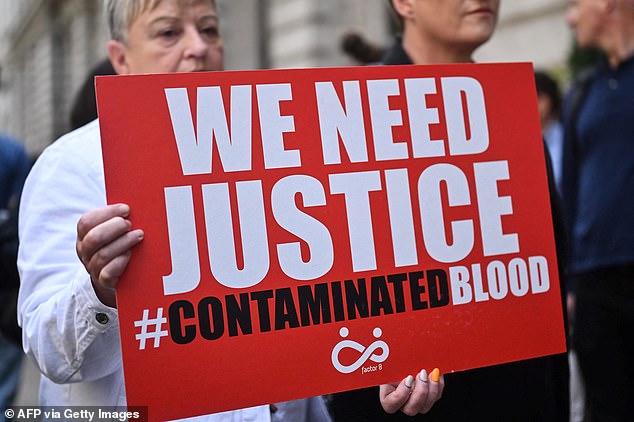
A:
[385,389]
[436,387]
[100,236]
[95,217]
[108,278]
[111,272]
[119,246]
[393,400]
[417,401]
[105,278]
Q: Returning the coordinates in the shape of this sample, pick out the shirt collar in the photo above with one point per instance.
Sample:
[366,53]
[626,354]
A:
[396,54]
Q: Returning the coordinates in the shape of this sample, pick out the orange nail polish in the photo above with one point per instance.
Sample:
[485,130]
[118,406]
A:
[435,375]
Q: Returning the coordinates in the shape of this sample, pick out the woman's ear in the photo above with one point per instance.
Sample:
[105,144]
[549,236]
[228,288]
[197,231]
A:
[117,55]
[405,8]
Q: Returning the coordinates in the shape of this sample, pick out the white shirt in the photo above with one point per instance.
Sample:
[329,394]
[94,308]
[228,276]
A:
[69,334]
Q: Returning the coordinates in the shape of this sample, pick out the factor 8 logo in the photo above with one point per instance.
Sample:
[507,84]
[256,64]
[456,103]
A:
[366,353]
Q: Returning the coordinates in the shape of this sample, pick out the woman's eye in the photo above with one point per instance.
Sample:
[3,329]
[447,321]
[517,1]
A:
[168,33]
[210,31]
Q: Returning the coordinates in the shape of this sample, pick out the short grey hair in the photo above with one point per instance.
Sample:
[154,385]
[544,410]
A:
[121,13]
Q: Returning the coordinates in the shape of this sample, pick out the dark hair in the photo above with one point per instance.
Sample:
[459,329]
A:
[547,85]
[355,45]
[84,108]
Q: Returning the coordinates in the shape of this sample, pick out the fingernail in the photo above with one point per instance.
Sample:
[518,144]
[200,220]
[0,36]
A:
[408,381]
[435,375]
[423,376]
[124,209]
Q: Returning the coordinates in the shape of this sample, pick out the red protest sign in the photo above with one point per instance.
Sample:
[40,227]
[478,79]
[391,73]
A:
[317,230]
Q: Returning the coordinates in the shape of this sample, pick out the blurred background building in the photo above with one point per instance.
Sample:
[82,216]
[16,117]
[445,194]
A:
[47,47]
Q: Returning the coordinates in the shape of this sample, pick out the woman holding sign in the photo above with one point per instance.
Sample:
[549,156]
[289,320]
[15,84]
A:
[74,248]
[449,31]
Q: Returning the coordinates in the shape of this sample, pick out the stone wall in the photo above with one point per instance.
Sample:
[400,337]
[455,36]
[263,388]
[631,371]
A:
[48,46]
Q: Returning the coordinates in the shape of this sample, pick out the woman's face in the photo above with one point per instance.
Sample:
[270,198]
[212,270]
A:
[456,23]
[175,36]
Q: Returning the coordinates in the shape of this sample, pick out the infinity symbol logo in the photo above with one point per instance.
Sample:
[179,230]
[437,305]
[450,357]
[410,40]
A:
[366,353]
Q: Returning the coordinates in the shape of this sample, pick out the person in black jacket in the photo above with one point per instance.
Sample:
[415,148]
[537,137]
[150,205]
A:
[449,31]
[598,192]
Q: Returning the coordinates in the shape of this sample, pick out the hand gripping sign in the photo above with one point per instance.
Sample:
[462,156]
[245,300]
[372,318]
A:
[318,230]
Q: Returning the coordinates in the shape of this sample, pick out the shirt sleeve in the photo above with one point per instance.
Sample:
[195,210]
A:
[69,334]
